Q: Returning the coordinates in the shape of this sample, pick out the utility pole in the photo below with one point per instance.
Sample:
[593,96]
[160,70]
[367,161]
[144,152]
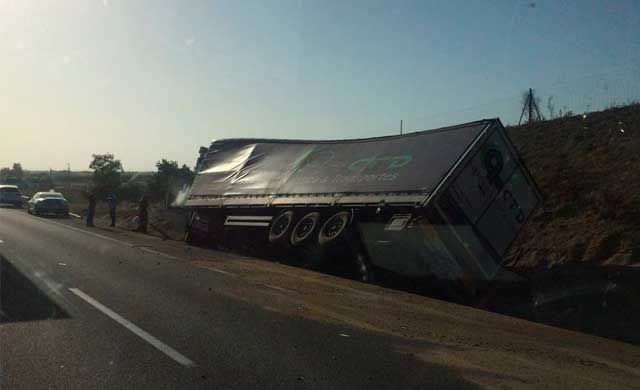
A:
[532,109]
[400,126]
[68,177]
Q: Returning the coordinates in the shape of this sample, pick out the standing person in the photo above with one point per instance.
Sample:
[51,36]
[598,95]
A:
[92,209]
[112,201]
[143,215]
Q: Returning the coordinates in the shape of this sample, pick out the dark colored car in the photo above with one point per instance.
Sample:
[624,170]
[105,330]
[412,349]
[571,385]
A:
[48,203]
[10,195]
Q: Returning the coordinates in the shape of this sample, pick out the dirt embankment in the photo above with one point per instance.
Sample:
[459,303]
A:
[588,170]
[163,223]
[581,250]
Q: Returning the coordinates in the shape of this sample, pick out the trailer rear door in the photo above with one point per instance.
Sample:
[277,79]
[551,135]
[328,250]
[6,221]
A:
[495,194]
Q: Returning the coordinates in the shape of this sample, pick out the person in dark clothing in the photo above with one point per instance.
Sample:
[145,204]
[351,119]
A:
[143,215]
[112,201]
[92,210]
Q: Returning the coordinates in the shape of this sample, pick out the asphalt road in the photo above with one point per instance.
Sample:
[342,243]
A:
[81,311]
[102,308]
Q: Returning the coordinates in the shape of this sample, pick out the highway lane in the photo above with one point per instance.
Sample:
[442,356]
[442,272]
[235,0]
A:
[106,308]
[108,315]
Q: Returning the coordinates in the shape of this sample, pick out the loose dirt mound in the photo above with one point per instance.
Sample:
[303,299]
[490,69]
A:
[587,168]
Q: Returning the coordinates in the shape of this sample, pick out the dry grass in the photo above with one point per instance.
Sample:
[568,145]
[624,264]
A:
[586,168]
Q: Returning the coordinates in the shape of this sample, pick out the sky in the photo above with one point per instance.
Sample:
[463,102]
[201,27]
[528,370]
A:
[152,79]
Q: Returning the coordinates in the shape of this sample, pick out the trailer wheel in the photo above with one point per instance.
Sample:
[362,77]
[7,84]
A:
[333,227]
[280,226]
[304,228]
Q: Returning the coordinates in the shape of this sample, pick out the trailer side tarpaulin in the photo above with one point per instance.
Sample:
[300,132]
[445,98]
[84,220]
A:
[413,162]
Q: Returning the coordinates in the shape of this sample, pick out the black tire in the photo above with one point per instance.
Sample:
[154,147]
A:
[193,236]
[280,226]
[364,271]
[188,237]
[304,228]
[333,227]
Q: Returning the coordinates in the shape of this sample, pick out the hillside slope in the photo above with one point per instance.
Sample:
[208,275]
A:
[588,170]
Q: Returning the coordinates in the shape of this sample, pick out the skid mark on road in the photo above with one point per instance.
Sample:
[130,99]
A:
[159,345]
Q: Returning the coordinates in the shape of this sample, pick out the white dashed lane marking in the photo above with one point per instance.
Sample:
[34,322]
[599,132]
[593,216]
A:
[159,345]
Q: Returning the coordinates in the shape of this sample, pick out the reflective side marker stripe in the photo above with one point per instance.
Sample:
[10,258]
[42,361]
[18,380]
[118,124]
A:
[248,220]
[249,217]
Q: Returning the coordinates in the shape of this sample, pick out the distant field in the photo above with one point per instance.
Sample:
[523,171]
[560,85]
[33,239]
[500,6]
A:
[72,184]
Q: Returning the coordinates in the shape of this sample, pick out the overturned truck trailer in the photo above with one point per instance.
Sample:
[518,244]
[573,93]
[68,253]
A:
[444,203]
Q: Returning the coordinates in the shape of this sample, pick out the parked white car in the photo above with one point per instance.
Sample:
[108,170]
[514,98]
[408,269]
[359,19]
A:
[48,203]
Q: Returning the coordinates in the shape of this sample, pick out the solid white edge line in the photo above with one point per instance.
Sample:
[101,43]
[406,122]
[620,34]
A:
[271,286]
[219,271]
[159,345]
[88,232]
[128,244]
[155,252]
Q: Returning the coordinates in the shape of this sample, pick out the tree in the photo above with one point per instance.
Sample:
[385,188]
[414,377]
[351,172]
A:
[17,171]
[170,179]
[132,189]
[12,175]
[5,173]
[107,173]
